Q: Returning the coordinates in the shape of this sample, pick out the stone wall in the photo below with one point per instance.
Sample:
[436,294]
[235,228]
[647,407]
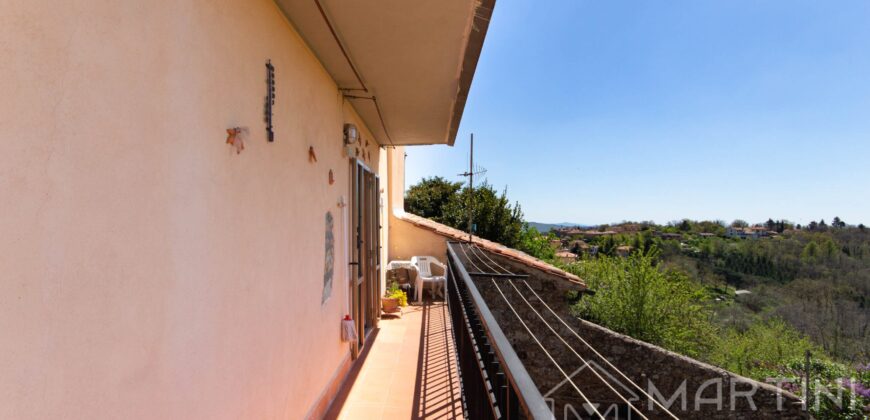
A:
[646,365]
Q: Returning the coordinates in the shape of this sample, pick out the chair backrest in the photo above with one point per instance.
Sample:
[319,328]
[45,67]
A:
[423,265]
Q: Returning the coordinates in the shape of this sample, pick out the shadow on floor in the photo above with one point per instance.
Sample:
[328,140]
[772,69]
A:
[407,370]
[437,392]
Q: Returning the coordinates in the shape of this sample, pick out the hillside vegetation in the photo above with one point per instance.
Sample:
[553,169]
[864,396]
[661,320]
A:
[752,299]
[754,306]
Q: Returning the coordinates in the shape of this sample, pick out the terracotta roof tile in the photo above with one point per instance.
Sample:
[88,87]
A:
[516,255]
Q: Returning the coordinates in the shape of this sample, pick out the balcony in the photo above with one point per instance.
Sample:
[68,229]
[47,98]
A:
[408,371]
[504,346]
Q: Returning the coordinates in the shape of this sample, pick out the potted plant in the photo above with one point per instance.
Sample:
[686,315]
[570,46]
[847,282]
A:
[394,299]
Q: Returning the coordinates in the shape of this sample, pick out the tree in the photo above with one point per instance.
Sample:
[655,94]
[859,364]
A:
[637,297]
[536,244]
[494,217]
[830,250]
[770,224]
[861,227]
[428,198]
[447,202]
[685,225]
[810,252]
[822,225]
[739,223]
[607,245]
[837,223]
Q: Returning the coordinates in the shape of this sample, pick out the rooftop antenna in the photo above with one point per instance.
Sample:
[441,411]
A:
[472,171]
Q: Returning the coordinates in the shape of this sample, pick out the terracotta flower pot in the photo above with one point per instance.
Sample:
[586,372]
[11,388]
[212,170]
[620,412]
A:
[390,305]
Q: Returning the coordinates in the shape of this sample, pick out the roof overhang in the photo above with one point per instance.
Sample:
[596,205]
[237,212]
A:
[417,58]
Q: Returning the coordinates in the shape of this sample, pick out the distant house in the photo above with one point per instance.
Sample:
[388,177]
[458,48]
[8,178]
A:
[759,231]
[752,232]
[735,232]
[579,245]
[666,235]
[567,232]
[556,243]
[624,250]
[566,256]
[593,250]
[706,234]
[628,227]
[594,233]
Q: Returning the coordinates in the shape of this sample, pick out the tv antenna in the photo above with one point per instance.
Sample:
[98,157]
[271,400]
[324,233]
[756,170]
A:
[472,171]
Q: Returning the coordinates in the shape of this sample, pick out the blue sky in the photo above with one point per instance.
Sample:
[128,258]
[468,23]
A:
[602,111]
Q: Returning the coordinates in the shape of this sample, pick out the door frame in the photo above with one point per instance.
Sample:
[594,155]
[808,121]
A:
[365,267]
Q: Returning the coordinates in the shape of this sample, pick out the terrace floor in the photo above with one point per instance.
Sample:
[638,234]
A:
[408,370]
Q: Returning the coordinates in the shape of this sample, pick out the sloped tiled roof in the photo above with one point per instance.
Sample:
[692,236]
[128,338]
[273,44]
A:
[510,253]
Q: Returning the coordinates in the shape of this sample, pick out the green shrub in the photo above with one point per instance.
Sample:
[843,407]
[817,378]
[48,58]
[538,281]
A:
[536,244]
[636,297]
[394,292]
[761,350]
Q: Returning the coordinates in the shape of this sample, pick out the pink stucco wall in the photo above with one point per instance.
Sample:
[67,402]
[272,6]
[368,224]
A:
[405,239]
[146,270]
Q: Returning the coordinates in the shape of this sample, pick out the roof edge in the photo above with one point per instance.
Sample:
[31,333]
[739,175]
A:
[476,34]
[494,247]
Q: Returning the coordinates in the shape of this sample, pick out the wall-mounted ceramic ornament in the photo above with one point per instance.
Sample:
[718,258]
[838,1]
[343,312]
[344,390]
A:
[234,138]
[329,260]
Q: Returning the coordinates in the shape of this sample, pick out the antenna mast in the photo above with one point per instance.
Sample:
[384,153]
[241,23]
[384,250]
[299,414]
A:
[471,189]
[470,174]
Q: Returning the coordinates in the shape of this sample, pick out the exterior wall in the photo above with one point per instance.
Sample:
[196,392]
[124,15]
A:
[384,203]
[405,239]
[146,269]
[396,168]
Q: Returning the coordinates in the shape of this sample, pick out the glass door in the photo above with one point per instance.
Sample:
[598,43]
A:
[365,268]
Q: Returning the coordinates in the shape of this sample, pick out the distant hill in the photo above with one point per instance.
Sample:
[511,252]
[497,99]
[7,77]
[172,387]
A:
[546,227]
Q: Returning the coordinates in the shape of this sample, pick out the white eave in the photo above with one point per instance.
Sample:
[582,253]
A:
[416,57]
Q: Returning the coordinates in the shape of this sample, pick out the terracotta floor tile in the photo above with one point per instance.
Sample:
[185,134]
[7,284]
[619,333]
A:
[409,371]
[362,412]
[398,412]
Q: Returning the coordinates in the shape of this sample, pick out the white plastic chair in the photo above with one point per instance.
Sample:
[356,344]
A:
[425,276]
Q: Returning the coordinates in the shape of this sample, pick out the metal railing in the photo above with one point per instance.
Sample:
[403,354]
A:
[495,384]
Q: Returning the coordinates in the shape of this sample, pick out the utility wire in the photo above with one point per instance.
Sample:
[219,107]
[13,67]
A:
[474,251]
[340,46]
[606,361]
[594,409]
[585,362]
[356,74]
[599,354]
[480,254]
[374,100]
